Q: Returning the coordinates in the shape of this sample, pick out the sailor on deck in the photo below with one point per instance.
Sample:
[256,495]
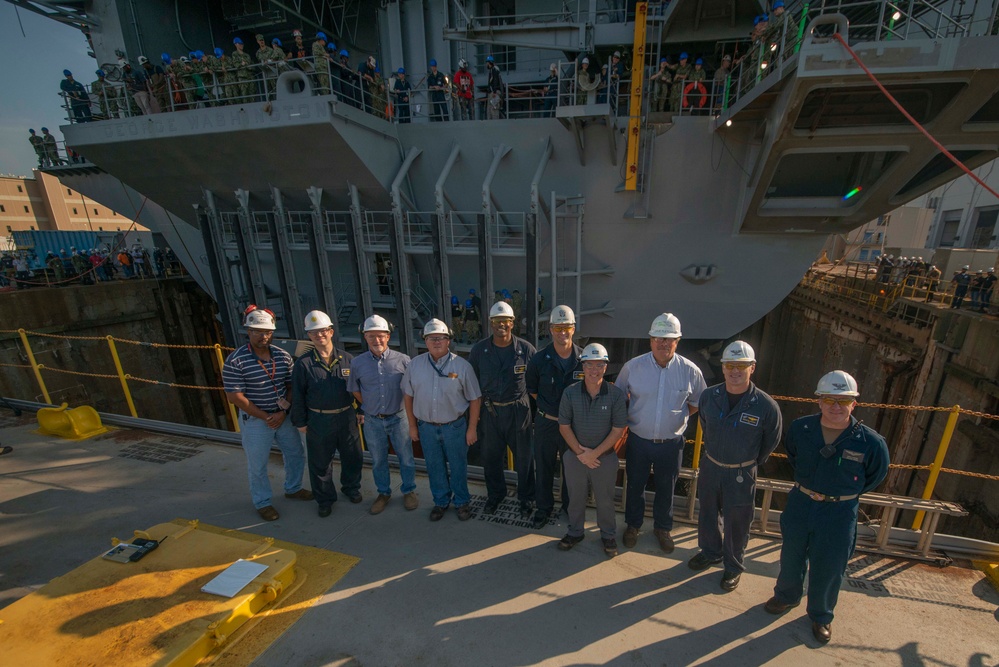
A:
[835,459]
[742,426]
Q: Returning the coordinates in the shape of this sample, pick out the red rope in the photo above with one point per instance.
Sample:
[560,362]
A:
[912,120]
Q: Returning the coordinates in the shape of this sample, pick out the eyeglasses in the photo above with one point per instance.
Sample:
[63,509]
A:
[437,339]
[842,402]
[736,366]
[328,331]
[562,328]
[260,332]
[501,320]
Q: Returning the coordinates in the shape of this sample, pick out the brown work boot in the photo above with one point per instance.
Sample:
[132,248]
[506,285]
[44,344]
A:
[665,541]
[630,537]
[776,606]
[301,494]
[379,505]
[411,501]
[268,513]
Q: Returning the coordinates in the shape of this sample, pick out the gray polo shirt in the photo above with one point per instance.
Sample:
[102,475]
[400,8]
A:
[379,381]
[441,392]
[658,397]
[593,418]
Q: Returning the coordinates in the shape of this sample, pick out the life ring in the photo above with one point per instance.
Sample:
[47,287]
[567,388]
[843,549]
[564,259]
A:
[695,85]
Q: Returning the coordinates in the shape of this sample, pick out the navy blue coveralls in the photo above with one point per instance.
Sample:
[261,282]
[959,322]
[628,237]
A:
[505,418]
[546,380]
[320,400]
[820,534]
[736,441]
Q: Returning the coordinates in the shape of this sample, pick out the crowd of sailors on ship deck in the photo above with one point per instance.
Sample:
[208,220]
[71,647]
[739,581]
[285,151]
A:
[24,269]
[681,82]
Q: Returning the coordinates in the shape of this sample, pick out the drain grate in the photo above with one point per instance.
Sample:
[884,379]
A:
[160,450]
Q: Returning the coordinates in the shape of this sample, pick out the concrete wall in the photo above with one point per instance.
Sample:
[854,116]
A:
[172,311]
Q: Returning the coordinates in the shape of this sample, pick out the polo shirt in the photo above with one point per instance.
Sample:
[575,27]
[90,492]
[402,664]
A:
[263,383]
[658,397]
[592,418]
[441,392]
[379,381]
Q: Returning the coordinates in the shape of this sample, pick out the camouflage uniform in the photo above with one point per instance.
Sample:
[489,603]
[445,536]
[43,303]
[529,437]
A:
[378,96]
[39,145]
[51,149]
[660,89]
[470,326]
[680,77]
[106,97]
[219,68]
[322,66]
[265,56]
[244,87]
[277,58]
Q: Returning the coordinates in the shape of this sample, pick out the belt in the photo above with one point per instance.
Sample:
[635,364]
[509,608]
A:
[665,440]
[744,464]
[394,414]
[331,412]
[496,404]
[821,498]
[547,416]
[442,423]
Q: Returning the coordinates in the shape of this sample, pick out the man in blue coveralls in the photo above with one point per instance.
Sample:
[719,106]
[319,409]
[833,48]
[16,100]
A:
[742,426]
[835,459]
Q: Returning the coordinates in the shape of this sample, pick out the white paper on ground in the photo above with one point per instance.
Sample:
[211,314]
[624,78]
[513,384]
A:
[234,578]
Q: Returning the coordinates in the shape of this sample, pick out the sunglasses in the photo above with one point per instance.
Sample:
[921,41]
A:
[736,366]
[842,402]
[562,328]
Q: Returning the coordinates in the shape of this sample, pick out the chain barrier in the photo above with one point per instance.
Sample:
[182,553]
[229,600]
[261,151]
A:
[68,372]
[119,340]
[175,385]
[894,406]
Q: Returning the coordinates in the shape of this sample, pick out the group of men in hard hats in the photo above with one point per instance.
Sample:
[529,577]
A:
[448,404]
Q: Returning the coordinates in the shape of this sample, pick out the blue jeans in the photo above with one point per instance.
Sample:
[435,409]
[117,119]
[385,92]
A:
[446,454]
[257,440]
[377,434]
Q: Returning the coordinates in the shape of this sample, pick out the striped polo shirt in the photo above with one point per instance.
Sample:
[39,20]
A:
[262,382]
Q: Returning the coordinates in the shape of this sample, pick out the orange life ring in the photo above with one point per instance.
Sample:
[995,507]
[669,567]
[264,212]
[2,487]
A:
[695,85]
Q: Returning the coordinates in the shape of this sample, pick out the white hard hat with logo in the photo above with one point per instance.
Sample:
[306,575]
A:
[594,352]
[562,315]
[665,326]
[837,383]
[739,351]
[435,326]
[377,323]
[317,320]
[501,309]
[259,319]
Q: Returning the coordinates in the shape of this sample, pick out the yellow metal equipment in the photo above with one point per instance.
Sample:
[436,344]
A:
[147,612]
[635,97]
[70,423]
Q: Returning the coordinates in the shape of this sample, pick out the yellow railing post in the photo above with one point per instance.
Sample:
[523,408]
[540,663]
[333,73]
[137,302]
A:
[698,440]
[931,483]
[121,377]
[34,365]
[232,408]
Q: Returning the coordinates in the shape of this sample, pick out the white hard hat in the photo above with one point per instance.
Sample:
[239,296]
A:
[665,326]
[837,383]
[562,315]
[739,351]
[553,67]
[259,319]
[317,320]
[143,60]
[501,309]
[586,61]
[435,326]
[594,352]
[376,323]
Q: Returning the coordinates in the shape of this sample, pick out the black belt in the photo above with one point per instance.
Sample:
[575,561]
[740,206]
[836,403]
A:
[394,414]
[663,441]
[442,423]
[331,412]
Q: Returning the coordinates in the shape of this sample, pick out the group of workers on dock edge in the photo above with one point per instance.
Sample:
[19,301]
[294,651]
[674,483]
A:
[448,403]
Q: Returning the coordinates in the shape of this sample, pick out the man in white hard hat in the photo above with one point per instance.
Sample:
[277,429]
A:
[500,364]
[663,389]
[742,426]
[835,459]
[323,409]
[592,416]
[439,390]
[549,372]
[376,382]
[257,379]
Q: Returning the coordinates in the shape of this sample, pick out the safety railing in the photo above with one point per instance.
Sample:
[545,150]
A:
[29,271]
[336,229]
[88,365]
[462,231]
[376,228]
[418,230]
[578,86]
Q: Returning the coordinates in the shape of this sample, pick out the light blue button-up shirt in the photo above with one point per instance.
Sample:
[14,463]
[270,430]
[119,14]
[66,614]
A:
[659,397]
[379,380]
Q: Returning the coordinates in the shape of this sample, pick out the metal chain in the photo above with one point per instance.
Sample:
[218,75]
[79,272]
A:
[16,365]
[965,473]
[91,375]
[893,406]
[173,384]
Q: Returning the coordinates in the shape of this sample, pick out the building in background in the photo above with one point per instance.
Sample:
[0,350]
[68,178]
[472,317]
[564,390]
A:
[43,203]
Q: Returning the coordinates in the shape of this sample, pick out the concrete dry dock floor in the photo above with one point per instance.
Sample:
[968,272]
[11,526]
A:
[479,592]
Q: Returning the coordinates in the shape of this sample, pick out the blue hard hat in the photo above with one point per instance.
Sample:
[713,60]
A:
[190,54]
[683,56]
[468,303]
[31,131]
[330,46]
[99,72]
[66,72]
[506,294]
[237,40]
[756,21]
[199,54]
[166,58]
[779,3]
[490,59]
[219,52]
[401,70]
[765,17]
[321,35]
[344,53]
[454,301]
[45,129]
[471,291]
[276,41]
[662,60]
[378,70]
[699,61]
[433,63]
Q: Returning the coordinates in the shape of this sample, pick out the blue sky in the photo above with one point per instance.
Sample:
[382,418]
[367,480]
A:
[30,80]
